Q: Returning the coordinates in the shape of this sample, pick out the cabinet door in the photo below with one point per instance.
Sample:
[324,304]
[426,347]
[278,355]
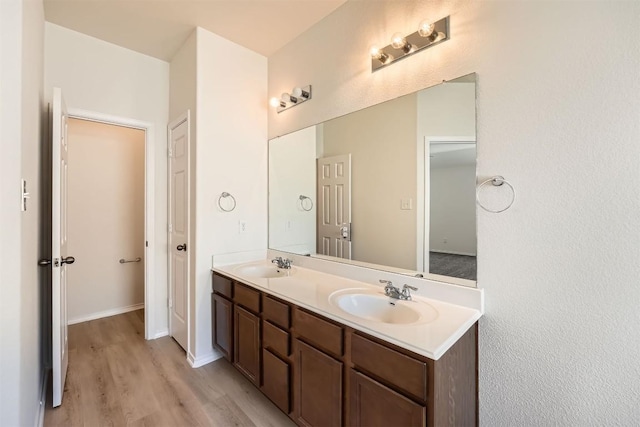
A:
[247,344]
[223,325]
[373,405]
[318,387]
[275,380]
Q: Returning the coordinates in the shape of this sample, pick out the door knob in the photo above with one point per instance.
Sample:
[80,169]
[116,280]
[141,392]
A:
[182,247]
[67,260]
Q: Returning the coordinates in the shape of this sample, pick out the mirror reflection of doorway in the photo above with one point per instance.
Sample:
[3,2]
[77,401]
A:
[452,211]
[334,206]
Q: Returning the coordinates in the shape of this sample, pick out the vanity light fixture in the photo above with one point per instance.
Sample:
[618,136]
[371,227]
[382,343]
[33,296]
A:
[287,100]
[428,34]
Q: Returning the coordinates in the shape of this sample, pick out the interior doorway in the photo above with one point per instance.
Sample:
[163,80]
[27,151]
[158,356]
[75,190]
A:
[105,208]
[111,210]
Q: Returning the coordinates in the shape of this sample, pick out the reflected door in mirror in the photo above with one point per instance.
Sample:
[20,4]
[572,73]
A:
[334,210]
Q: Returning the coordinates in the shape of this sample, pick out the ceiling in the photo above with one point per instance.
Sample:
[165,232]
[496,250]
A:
[159,27]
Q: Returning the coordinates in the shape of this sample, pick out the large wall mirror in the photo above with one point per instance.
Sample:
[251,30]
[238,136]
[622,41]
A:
[391,186]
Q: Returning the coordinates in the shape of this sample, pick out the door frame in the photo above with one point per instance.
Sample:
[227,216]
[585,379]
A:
[149,205]
[423,204]
[184,117]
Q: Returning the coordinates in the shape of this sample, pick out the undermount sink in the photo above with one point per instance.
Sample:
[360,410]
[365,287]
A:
[263,271]
[381,308]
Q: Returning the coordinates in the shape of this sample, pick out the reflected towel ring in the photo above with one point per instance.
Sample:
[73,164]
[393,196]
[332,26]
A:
[302,205]
[225,195]
[496,181]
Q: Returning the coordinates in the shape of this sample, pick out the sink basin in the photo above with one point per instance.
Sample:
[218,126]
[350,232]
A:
[263,271]
[380,308]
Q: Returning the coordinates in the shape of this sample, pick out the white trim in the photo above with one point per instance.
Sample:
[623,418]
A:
[39,422]
[422,202]
[452,252]
[106,313]
[196,362]
[149,204]
[184,117]
[160,334]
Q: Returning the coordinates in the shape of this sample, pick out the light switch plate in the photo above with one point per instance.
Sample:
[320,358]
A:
[406,204]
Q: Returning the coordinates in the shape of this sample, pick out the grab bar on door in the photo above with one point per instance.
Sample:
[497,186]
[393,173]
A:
[124,261]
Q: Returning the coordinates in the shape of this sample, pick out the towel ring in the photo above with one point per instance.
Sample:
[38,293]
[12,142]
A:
[496,181]
[302,205]
[225,195]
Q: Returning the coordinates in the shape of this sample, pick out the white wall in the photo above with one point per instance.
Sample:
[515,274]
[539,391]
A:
[231,156]
[558,117]
[452,219]
[101,77]
[224,86]
[292,172]
[21,106]
[106,219]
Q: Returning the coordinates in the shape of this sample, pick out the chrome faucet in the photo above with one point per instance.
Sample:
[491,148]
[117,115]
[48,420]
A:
[282,263]
[393,292]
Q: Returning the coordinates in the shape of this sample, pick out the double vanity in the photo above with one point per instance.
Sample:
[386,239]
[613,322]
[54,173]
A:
[331,351]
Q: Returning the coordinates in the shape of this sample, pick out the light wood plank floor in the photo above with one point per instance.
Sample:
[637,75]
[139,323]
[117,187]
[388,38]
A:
[117,378]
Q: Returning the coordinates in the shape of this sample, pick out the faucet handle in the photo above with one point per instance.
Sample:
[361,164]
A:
[386,282]
[406,293]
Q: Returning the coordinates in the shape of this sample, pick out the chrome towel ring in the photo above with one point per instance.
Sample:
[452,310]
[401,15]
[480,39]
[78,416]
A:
[496,181]
[308,206]
[225,195]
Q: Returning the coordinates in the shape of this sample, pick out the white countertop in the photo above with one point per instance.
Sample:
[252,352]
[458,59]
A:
[312,289]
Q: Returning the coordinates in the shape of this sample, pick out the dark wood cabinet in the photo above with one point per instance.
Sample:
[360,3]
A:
[276,380]
[374,405]
[222,325]
[247,344]
[318,387]
[323,373]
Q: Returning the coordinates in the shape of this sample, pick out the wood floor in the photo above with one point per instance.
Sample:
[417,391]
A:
[117,378]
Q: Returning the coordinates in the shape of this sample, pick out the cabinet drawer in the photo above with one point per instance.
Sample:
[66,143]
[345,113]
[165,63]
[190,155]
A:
[275,339]
[276,380]
[390,366]
[222,286]
[373,404]
[275,311]
[247,297]
[322,334]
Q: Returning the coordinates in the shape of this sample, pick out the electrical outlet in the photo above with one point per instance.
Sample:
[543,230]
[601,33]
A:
[242,227]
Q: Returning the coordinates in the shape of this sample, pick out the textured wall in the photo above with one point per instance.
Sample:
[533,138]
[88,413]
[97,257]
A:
[558,115]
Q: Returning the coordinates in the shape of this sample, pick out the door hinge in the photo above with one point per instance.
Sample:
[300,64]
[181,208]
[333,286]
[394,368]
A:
[146,243]
[169,303]
[170,152]
[170,228]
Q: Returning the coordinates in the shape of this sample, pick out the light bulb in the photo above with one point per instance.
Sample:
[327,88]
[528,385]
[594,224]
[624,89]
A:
[425,28]
[296,92]
[397,41]
[274,102]
[378,54]
[285,97]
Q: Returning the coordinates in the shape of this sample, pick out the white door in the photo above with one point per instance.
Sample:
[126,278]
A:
[334,210]
[178,229]
[60,258]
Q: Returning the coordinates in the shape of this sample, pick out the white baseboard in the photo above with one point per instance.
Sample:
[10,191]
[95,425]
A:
[196,362]
[106,313]
[43,398]
[442,251]
[161,334]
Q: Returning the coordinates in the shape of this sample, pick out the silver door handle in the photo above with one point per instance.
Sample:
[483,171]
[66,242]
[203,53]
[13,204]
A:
[124,261]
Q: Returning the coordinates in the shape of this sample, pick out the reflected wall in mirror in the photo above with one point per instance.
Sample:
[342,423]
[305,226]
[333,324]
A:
[391,186]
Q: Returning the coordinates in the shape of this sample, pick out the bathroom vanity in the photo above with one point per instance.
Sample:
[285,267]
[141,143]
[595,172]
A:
[288,332]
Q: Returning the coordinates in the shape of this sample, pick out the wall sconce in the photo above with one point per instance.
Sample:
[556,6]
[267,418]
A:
[288,100]
[428,34]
